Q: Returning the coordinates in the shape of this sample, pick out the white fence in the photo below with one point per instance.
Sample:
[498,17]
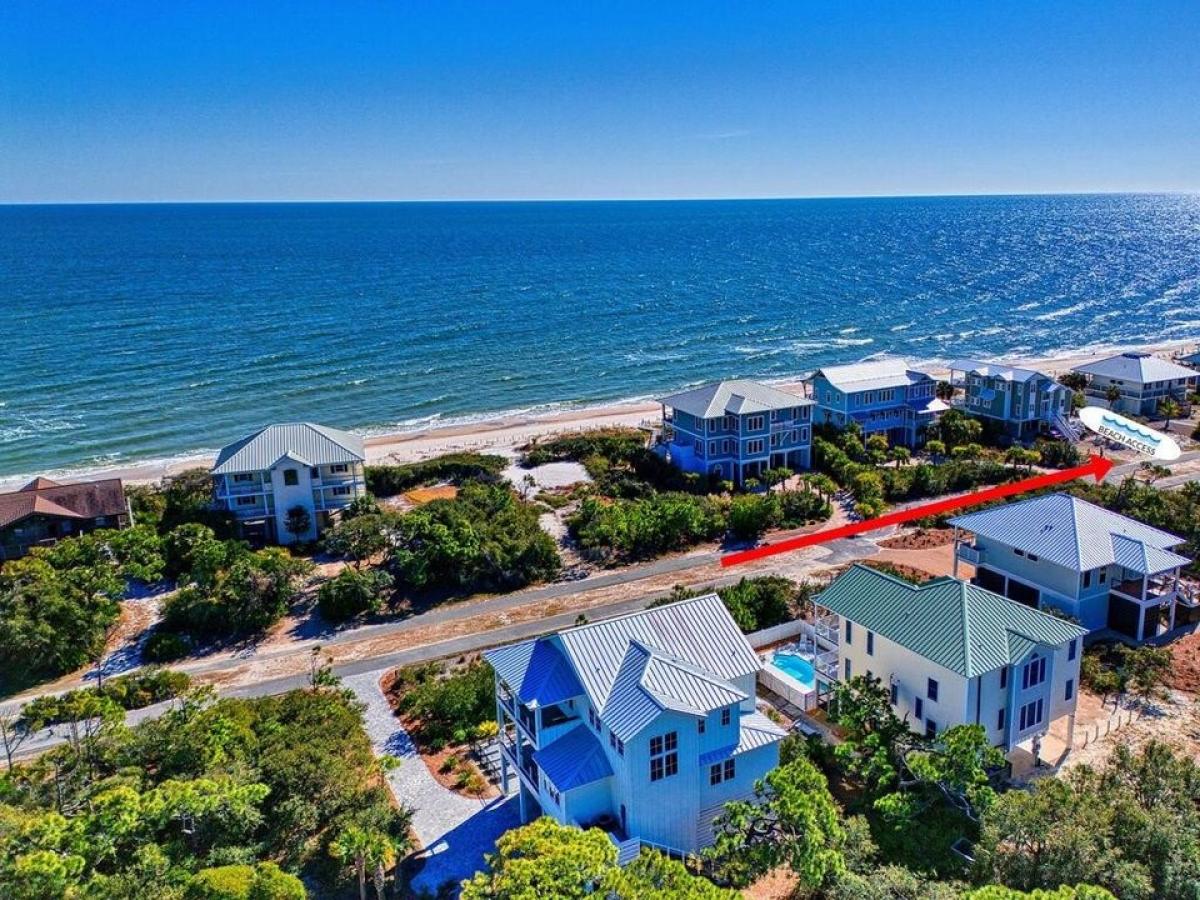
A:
[783,685]
[777,633]
[1094,731]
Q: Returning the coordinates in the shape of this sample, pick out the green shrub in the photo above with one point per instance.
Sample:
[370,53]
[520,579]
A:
[446,705]
[353,592]
[483,539]
[265,881]
[650,526]
[389,480]
[165,646]
[133,691]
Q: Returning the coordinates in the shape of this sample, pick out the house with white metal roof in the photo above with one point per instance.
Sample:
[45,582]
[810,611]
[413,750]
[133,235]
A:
[953,653]
[1140,381]
[1024,402]
[1104,569]
[734,430]
[643,725]
[884,396]
[266,475]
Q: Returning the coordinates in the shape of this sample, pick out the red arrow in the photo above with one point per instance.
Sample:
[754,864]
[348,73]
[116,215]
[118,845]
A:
[1096,466]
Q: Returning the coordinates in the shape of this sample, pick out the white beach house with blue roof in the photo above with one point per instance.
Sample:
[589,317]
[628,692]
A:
[643,725]
[734,430]
[953,653]
[1024,402]
[1142,380]
[266,474]
[1102,568]
[884,396]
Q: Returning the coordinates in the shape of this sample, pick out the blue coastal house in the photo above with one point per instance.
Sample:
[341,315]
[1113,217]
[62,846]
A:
[1024,402]
[737,429]
[1140,380]
[884,397]
[1097,566]
[642,725]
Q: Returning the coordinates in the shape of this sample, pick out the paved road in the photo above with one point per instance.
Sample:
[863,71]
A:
[1119,472]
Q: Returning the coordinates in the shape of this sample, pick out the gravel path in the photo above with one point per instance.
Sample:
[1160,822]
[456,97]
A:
[455,831]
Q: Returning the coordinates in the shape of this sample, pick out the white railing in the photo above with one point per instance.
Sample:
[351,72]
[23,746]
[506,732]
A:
[970,554]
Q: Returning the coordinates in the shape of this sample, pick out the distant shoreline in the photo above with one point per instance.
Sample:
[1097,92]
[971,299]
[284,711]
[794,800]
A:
[505,432]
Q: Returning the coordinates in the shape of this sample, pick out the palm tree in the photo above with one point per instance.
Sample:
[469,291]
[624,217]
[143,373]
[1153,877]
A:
[900,456]
[1112,394]
[1169,409]
[352,847]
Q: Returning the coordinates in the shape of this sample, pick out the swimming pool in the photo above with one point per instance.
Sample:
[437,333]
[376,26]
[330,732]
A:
[797,666]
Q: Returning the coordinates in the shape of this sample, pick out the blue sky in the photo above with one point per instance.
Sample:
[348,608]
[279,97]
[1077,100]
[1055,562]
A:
[393,100]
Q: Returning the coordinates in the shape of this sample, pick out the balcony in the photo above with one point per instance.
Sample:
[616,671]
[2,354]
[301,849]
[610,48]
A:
[969,554]
[827,628]
[1158,589]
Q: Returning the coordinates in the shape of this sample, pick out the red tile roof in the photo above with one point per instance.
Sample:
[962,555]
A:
[85,500]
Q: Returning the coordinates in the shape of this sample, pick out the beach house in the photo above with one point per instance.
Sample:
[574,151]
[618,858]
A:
[643,725]
[884,397]
[1138,381]
[1024,402]
[264,477]
[953,653]
[1099,567]
[45,511]
[737,429]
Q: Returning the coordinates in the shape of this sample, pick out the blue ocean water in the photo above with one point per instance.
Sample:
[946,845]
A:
[137,332]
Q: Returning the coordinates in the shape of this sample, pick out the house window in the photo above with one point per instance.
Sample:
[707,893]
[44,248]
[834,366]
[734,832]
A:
[714,774]
[870,643]
[754,448]
[664,756]
[247,501]
[726,445]
[918,708]
[712,448]
[1070,689]
[1033,557]
[1103,575]
[895,693]
[849,631]
[339,469]
[342,490]
[846,669]
[1034,673]
[243,476]
[1072,648]
[725,716]
[1018,552]
[1031,715]
[754,423]
[1087,579]
[931,690]
[700,726]
[1000,719]
[1004,678]
[291,477]
[315,472]
[729,769]
[930,728]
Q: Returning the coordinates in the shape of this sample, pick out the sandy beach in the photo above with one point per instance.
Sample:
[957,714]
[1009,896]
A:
[504,434]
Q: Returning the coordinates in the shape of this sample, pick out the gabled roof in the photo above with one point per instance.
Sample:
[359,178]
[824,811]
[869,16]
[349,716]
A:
[82,500]
[537,671]
[1192,359]
[309,444]
[870,376]
[650,682]
[734,398]
[679,657]
[997,370]
[755,730]
[575,759]
[699,630]
[1071,532]
[958,625]
[1138,367]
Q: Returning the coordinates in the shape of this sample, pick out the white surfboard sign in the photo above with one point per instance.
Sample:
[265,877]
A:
[1135,435]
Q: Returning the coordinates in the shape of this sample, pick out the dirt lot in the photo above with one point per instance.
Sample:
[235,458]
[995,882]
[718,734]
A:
[1185,667]
[421,496]
[1175,722]
[918,539]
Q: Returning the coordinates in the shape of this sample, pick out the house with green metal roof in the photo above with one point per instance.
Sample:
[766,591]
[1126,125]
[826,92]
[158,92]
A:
[953,653]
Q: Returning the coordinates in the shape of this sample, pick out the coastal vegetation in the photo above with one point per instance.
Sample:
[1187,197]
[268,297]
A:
[124,692]
[215,798]
[446,705]
[389,480]
[758,602]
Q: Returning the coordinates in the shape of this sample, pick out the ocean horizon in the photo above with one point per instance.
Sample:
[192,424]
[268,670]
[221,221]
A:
[154,331]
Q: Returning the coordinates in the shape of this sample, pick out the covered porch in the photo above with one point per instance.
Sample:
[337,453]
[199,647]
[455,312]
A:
[1146,594]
